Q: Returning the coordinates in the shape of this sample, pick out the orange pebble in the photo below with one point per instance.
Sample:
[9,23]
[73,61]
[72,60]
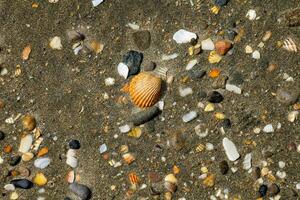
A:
[7,148]
[35,5]
[133,178]
[214,73]
[176,169]
[26,51]
[43,152]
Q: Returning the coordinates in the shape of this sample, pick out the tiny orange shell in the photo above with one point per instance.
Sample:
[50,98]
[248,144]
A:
[133,178]
[26,52]
[144,89]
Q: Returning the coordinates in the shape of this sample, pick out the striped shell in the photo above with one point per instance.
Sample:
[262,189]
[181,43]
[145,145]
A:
[144,89]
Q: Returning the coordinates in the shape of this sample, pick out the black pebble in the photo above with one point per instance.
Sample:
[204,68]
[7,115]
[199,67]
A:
[221,2]
[133,60]
[81,191]
[215,97]
[224,167]
[226,123]
[13,161]
[263,190]
[74,144]
[22,183]
[2,135]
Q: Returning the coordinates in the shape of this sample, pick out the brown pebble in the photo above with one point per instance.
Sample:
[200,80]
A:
[256,173]
[29,122]
[154,177]
[273,189]
[292,146]
[2,104]
[209,181]
[224,168]
[222,47]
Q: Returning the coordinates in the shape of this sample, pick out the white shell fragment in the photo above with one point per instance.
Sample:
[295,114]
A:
[185,91]
[268,128]
[293,115]
[251,14]
[207,45]
[290,45]
[72,162]
[123,70]
[96,2]
[256,55]
[41,163]
[191,64]
[55,43]
[182,36]
[247,161]
[189,116]
[9,187]
[133,26]
[125,128]
[230,149]
[109,81]
[233,88]
[26,143]
[169,57]
[248,49]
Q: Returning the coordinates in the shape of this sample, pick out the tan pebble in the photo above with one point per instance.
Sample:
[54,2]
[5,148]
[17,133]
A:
[168,196]
[222,47]
[124,148]
[26,51]
[23,171]
[204,170]
[40,179]
[293,115]
[27,156]
[264,171]
[220,116]
[42,152]
[271,67]
[296,106]
[176,169]
[70,177]
[95,46]
[209,107]
[171,178]
[248,49]
[14,196]
[267,36]
[135,132]
[28,122]
[209,181]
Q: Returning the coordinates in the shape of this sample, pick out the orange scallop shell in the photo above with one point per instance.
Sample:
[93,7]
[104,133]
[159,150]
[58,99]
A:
[144,89]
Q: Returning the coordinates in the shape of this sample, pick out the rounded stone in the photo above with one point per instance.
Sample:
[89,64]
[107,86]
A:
[215,97]
[273,189]
[81,191]
[22,183]
[262,190]
[224,167]
[74,144]
[150,66]
[287,96]
[14,160]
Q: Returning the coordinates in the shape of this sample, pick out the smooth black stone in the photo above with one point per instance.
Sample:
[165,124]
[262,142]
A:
[74,144]
[22,183]
[221,2]
[262,190]
[226,123]
[224,167]
[215,97]
[133,60]
[2,135]
[13,161]
[81,191]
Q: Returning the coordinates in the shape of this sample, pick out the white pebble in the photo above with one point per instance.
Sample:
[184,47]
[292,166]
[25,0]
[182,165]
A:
[233,88]
[281,164]
[41,163]
[133,26]
[248,49]
[123,70]
[268,128]
[41,198]
[96,2]
[55,43]
[161,104]
[9,187]
[26,143]
[125,128]
[71,153]
[256,130]
[183,36]
[230,149]
[72,162]
[103,148]
[189,116]
[1,160]
[191,64]
[169,57]
[185,91]
[256,55]
[280,174]
[298,186]
[209,146]
[109,81]
[3,71]
[207,44]
[251,14]
[293,115]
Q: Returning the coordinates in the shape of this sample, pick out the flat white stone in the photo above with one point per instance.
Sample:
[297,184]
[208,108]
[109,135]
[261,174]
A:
[133,26]
[9,187]
[123,70]
[298,186]
[183,36]
[230,149]
[256,55]
[103,148]
[233,88]
[207,45]
[209,146]
[189,116]
[268,128]
[247,161]
[71,153]
[96,2]
[185,91]
[41,163]
[251,14]
[125,128]
[72,162]
[169,57]
[191,64]
[26,143]
[55,43]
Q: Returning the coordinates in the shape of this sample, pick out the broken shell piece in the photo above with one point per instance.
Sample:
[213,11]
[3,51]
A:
[191,64]
[72,161]
[290,45]
[267,36]
[293,115]
[215,10]
[26,51]
[128,158]
[37,143]
[123,70]
[133,178]
[230,149]
[251,14]
[183,36]
[171,178]
[135,132]
[70,177]
[26,143]
[214,57]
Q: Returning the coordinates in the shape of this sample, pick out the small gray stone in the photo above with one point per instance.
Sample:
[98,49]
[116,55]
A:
[142,39]
[287,96]
[145,115]
[81,190]
[14,160]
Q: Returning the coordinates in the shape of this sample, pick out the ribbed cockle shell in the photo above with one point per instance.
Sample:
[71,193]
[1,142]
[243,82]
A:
[144,89]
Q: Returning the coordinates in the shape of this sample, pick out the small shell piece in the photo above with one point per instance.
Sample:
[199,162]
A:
[215,10]
[144,89]
[290,45]
[133,178]
[214,57]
